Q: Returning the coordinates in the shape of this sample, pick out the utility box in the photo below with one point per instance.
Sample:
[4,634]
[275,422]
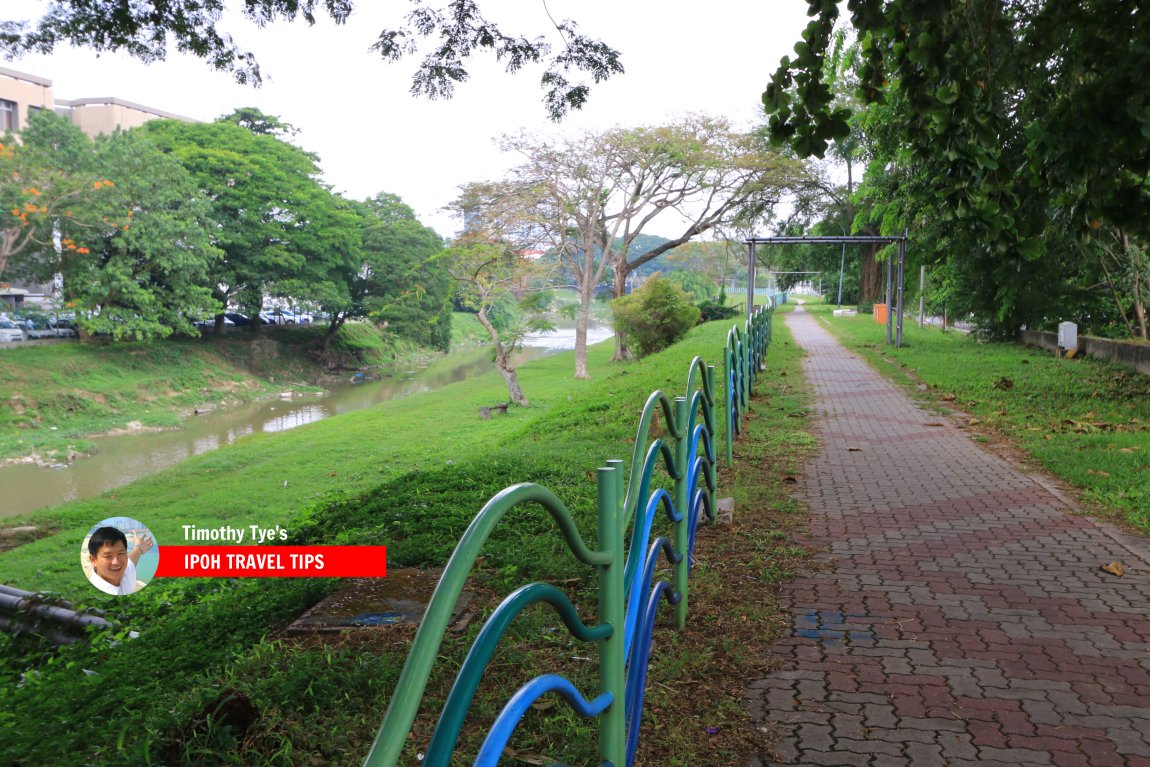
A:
[1068,338]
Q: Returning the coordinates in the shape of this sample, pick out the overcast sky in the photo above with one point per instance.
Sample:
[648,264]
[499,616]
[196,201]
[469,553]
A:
[371,135]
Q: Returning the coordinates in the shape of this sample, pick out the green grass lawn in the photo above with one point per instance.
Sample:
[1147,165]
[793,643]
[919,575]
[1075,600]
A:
[1084,420]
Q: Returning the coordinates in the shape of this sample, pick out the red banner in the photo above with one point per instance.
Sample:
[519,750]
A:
[272,562]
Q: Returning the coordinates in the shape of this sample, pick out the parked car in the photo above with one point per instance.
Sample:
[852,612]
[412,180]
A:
[10,332]
[241,320]
[62,327]
[278,317]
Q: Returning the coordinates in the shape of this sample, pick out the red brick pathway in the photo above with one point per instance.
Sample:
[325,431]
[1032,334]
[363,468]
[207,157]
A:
[962,618]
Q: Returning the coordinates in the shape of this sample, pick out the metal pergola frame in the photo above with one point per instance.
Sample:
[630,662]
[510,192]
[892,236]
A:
[859,239]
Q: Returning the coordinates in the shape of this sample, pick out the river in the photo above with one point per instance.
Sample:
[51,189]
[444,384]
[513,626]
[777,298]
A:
[125,458]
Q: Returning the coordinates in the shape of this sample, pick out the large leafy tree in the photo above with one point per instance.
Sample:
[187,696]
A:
[48,182]
[394,277]
[459,30]
[150,276]
[1005,124]
[121,223]
[281,230]
[413,288]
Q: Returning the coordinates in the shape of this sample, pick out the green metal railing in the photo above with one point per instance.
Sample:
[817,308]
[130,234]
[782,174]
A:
[629,593]
[743,360]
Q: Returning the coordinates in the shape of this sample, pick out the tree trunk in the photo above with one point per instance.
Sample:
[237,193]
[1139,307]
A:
[332,328]
[1140,312]
[503,361]
[621,350]
[1140,277]
[509,376]
[581,321]
[871,287]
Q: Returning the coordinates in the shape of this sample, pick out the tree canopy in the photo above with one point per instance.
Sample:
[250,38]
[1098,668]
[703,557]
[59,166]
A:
[1012,135]
[458,31]
[281,230]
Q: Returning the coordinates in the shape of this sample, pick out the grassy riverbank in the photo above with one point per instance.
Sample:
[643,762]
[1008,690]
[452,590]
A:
[58,396]
[210,681]
[1083,420]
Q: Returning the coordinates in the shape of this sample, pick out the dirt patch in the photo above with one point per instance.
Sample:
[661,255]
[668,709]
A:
[133,427]
[13,536]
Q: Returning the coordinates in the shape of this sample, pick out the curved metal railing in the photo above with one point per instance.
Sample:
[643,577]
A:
[626,560]
[743,359]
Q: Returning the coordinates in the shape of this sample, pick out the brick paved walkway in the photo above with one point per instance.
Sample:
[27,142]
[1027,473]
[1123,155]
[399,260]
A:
[962,618]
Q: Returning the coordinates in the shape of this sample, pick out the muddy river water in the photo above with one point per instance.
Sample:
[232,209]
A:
[123,459]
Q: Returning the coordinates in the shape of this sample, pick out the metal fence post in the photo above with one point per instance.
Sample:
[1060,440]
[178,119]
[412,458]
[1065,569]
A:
[612,659]
[682,504]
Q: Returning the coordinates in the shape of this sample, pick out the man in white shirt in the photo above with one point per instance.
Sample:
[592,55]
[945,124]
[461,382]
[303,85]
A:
[113,568]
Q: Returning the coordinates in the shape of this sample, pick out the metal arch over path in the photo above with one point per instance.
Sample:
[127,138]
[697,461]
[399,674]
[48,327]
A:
[859,239]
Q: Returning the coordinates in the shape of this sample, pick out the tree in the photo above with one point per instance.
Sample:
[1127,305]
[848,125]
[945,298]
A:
[491,276]
[396,277]
[1003,120]
[46,178]
[719,261]
[414,297]
[281,230]
[590,196]
[145,31]
[150,276]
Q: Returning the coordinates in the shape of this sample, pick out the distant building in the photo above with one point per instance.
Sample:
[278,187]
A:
[104,115]
[22,95]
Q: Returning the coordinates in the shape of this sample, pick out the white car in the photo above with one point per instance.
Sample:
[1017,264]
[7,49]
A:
[9,331]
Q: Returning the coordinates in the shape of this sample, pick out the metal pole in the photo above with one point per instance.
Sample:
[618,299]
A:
[681,502]
[842,264]
[612,606]
[901,290]
[921,295]
[889,308]
[750,279]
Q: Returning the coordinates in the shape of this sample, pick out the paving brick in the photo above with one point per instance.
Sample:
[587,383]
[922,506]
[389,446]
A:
[957,615]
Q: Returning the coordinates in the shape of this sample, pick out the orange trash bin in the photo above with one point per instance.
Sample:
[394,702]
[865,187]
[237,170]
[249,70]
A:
[880,313]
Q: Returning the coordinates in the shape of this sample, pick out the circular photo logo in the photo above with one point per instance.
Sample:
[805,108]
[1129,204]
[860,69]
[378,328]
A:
[119,555]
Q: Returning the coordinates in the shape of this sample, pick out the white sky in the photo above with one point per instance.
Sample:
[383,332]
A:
[355,111]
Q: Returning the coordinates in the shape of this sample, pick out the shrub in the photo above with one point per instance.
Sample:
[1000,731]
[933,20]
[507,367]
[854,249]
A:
[655,316]
[716,309]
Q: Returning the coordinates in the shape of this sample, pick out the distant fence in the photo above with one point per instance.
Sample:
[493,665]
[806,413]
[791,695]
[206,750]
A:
[628,592]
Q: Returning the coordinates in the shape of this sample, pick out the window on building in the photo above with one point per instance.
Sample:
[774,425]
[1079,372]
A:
[7,115]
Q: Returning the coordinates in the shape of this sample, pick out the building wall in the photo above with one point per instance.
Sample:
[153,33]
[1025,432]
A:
[104,115]
[91,115]
[26,91]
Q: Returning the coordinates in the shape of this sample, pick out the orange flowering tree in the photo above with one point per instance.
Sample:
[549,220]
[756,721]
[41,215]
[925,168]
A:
[48,190]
